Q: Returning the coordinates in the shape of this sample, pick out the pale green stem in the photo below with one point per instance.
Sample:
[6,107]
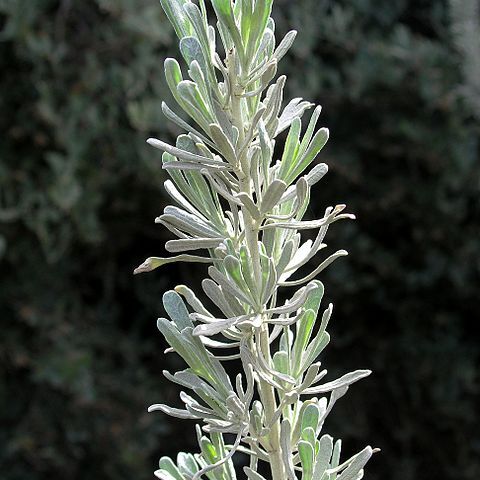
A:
[267,392]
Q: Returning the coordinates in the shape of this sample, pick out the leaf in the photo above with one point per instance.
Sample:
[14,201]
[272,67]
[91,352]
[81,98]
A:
[323,457]
[218,326]
[318,142]
[185,244]
[294,109]
[176,310]
[290,150]
[200,26]
[163,475]
[215,294]
[182,154]
[194,103]
[187,464]
[304,328]
[295,302]
[223,144]
[286,444]
[207,393]
[285,257]
[192,51]
[316,174]
[307,454]
[307,138]
[285,45]
[261,13]
[173,76]
[337,449]
[152,263]
[188,222]
[177,196]
[249,204]
[359,461]
[310,417]
[192,350]
[246,19]
[174,412]
[229,286]
[269,74]
[320,341]
[172,116]
[343,381]
[272,196]
[280,362]
[224,12]
[309,435]
[209,451]
[174,11]
[314,298]
[166,464]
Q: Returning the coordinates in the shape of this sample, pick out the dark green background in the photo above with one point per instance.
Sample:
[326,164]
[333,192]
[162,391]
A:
[80,357]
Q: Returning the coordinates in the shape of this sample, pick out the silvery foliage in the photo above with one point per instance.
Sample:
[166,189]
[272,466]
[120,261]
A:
[243,211]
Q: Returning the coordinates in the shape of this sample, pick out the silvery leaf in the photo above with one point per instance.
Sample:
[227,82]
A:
[343,381]
[295,109]
[215,294]
[172,116]
[249,204]
[355,464]
[272,196]
[192,50]
[216,327]
[192,300]
[182,154]
[295,302]
[322,460]
[316,174]
[174,11]
[152,263]
[174,412]
[285,45]
[176,310]
[186,244]
[223,144]
[329,260]
[229,286]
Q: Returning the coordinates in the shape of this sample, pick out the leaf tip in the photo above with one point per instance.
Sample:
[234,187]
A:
[147,266]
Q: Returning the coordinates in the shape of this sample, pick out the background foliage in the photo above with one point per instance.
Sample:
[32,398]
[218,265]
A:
[80,358]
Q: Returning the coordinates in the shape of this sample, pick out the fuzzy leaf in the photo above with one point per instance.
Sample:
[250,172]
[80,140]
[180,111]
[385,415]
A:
[307,456]
[176,310]
[323,457]
[152,263]
[174,11]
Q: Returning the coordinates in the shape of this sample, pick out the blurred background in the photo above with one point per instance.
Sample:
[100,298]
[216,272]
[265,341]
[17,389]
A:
[81,86]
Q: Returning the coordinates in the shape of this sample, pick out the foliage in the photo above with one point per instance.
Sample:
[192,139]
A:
[77,355]
[246,209]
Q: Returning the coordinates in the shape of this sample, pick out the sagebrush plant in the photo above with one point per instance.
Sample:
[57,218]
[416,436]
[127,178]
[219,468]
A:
[245,210]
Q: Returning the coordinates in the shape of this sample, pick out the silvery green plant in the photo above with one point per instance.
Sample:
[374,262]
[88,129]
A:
[239,208]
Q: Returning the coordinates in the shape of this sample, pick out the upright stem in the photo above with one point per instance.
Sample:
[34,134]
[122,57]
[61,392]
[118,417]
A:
[267,392]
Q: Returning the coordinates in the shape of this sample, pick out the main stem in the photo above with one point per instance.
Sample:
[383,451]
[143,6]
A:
[266,391]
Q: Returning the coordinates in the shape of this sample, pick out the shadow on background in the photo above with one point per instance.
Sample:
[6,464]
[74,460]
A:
[80,358]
